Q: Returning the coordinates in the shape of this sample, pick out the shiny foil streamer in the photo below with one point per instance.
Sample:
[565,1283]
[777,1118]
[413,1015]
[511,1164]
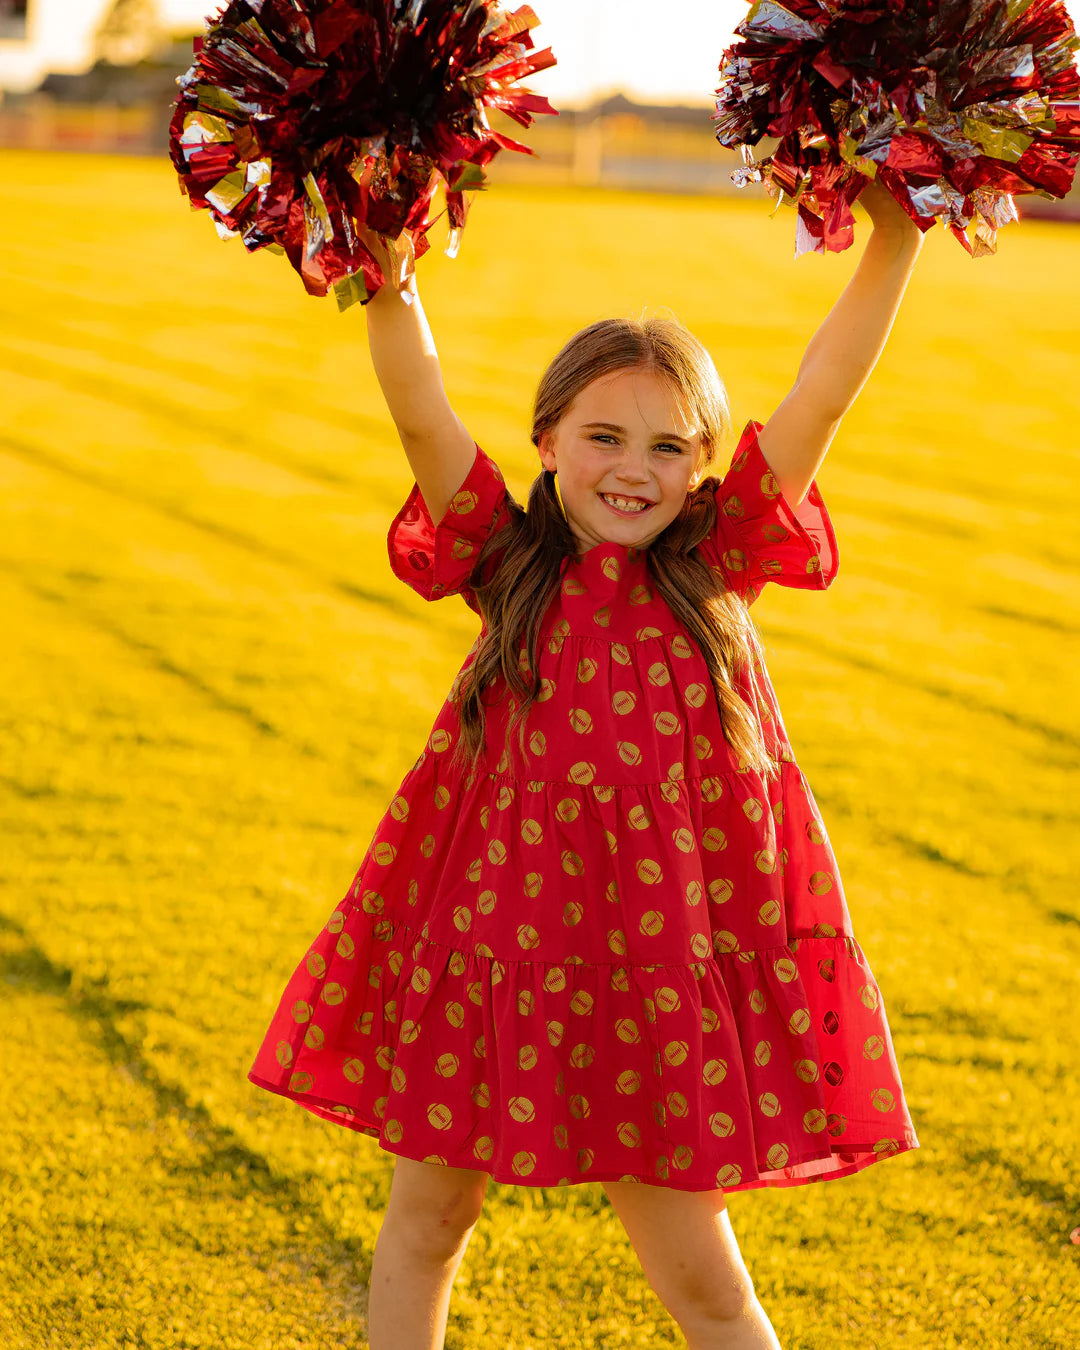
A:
[957,107]
[303,124]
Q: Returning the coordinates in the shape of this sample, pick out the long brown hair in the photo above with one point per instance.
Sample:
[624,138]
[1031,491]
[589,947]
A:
[514,594]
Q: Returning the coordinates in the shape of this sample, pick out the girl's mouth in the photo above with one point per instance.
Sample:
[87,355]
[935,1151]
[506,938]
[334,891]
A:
[625,506]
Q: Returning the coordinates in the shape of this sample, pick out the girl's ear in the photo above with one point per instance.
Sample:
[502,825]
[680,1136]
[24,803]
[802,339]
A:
[546,450]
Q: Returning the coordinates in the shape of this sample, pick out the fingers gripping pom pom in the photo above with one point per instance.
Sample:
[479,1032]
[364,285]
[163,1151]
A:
[954,106]
[308,126]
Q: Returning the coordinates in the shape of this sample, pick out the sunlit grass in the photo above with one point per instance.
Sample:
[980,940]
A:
[212,684]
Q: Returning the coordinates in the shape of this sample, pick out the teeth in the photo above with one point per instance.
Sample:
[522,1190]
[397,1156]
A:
[625,503]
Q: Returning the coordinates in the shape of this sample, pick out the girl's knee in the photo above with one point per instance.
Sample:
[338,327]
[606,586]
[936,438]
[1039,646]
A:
[433,1209]
[688,1252]
[699,1298]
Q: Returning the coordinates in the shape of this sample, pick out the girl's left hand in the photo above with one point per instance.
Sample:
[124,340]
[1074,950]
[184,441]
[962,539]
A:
[885,211]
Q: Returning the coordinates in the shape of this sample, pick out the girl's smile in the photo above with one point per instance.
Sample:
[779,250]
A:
[626,505]
[625,453]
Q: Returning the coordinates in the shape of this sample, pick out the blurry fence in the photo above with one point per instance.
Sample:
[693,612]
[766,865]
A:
[671,150]
[39,123]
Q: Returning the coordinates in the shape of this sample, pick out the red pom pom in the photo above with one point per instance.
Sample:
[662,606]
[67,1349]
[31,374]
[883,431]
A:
[955,106]
[304,123]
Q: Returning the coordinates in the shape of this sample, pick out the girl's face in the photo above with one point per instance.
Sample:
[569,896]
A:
[625,455]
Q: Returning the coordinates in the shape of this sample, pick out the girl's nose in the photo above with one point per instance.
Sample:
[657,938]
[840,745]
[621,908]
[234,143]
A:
[632,470]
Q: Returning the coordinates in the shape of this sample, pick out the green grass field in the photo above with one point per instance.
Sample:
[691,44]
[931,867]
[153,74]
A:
[212,684]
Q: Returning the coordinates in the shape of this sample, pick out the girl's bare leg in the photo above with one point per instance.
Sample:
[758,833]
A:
[429,1220]
[688,1252]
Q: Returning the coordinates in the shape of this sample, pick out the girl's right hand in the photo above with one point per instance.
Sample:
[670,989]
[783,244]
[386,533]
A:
[886,212]
[395,257]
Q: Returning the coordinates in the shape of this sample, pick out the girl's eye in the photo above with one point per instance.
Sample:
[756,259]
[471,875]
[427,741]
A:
[675,449]
[603,436]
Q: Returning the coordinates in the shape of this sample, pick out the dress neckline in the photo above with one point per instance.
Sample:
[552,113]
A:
[606,569]
[630,552]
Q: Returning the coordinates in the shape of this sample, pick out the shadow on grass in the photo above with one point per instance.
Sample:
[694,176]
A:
[1057,1199]
[968,701]
[955,1022]
[228,534]
[99,1015]
[161,661]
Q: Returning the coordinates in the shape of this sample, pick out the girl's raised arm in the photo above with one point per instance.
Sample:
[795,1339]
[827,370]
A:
[439,449]
[844,350]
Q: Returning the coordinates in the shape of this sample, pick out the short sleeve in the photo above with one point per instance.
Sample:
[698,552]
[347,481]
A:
[436,560]
[759,536]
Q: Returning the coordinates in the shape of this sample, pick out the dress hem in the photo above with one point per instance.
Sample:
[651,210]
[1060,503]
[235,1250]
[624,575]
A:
[323,1109]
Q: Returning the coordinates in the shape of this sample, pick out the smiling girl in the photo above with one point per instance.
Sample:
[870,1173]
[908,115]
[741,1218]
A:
[600,934]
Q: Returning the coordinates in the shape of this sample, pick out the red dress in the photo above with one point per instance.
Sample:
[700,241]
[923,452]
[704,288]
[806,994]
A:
[616,957]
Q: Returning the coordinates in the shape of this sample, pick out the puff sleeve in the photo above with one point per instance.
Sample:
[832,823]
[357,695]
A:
[436,560]
[759,536]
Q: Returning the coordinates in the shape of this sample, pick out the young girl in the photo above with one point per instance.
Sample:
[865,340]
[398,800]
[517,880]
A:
[600,934]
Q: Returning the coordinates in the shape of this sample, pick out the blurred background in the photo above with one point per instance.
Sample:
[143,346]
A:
[634,94]
[211,684]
